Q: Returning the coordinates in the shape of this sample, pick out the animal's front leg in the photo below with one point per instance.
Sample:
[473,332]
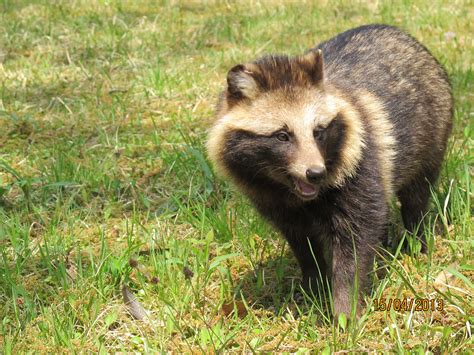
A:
[350,266]
[313,262]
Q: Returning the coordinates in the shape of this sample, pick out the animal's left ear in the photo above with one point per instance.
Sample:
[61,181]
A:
[312,62]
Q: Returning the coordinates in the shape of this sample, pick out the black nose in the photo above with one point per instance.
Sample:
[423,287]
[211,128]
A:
[315,173]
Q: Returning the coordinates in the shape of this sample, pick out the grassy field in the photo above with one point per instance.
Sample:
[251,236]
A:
[105,188]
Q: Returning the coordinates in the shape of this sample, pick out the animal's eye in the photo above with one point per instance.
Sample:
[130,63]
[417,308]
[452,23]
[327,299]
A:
[319,133]
[282,136]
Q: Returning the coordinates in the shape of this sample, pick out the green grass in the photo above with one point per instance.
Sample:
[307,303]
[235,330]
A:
[104,107]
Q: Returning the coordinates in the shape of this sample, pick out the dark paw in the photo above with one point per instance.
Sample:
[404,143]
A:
[298,297]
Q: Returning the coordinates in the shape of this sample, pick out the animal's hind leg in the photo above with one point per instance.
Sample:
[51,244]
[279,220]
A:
[414,198]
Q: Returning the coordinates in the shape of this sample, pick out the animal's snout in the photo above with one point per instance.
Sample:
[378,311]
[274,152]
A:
[315,173]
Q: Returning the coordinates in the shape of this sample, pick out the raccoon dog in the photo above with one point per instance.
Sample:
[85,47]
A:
[321,143]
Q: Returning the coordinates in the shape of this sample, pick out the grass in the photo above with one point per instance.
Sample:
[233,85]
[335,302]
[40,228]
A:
[104,182]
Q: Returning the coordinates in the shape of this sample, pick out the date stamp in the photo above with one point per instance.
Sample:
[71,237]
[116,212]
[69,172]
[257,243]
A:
[408,304]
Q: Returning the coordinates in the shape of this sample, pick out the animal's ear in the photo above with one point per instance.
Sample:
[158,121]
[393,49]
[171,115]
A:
[242,82]
[312,62]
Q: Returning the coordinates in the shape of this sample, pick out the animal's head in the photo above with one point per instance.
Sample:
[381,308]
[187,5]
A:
[280,126]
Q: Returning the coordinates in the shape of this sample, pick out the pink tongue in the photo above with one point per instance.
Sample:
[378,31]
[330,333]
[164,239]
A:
[305,188]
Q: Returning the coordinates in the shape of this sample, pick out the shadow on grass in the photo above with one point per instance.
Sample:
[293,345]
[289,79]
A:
[275,286]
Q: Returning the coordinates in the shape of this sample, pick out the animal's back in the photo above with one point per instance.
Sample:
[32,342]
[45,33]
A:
[408,82]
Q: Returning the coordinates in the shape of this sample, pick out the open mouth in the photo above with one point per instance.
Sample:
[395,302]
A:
[305,190]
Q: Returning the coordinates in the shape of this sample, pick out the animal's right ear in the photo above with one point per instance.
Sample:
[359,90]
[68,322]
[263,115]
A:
[241,82]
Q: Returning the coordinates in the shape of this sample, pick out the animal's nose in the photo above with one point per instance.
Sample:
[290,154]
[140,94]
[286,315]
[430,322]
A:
[315,173]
